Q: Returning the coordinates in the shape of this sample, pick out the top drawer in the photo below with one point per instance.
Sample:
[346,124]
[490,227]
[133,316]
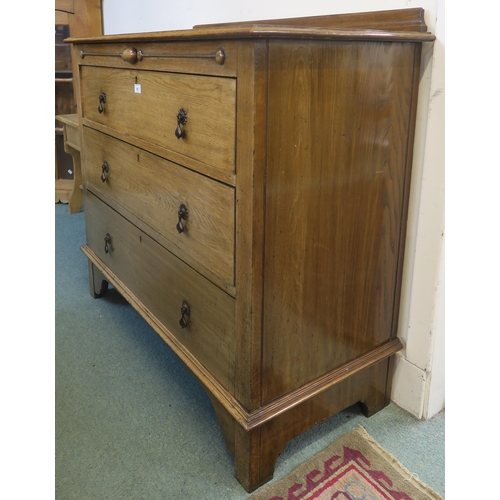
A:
[146,104]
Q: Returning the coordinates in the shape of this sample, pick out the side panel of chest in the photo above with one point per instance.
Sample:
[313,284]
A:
[335,175]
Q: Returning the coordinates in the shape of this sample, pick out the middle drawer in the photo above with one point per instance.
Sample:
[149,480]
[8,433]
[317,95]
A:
[195,214]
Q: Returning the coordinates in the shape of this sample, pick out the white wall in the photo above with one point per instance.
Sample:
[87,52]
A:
[419,377]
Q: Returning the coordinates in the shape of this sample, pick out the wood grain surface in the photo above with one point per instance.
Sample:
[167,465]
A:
[295,167]
[163,281]
[393,25]
[250,188]
[398,20]
[210,102]
[186,57]
[153,189]
[334,201]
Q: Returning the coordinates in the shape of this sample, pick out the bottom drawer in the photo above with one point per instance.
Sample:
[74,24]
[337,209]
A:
[163,283]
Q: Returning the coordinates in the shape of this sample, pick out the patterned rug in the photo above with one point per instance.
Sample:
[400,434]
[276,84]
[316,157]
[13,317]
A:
[355,467]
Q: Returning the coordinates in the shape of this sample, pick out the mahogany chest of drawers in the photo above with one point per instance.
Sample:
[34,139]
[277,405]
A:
[246,190]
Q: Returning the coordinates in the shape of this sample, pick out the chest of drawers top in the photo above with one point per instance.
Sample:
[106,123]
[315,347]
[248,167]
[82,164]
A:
[151,76]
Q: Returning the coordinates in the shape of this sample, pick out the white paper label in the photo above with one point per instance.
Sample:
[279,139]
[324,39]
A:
[70,172]
[137,88]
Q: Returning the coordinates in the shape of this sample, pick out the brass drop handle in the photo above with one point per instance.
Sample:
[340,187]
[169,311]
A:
[102,100]
[181,120]
[107,243]
[183,215]
[105,170]
[185,313]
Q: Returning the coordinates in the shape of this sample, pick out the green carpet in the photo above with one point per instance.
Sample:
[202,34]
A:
[133,423]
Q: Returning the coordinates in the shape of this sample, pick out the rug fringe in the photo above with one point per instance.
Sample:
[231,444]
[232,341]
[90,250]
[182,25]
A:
[392,459]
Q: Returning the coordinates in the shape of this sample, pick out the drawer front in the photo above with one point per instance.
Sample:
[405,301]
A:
[208,135]
[200,57]
[154,190]
[162,282]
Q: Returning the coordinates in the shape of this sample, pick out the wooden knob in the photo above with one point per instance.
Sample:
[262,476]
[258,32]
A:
[132,55]
[220,56]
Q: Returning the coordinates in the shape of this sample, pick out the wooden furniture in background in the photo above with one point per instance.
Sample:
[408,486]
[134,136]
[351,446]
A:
[72,146]
[246,190]
[72,18]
